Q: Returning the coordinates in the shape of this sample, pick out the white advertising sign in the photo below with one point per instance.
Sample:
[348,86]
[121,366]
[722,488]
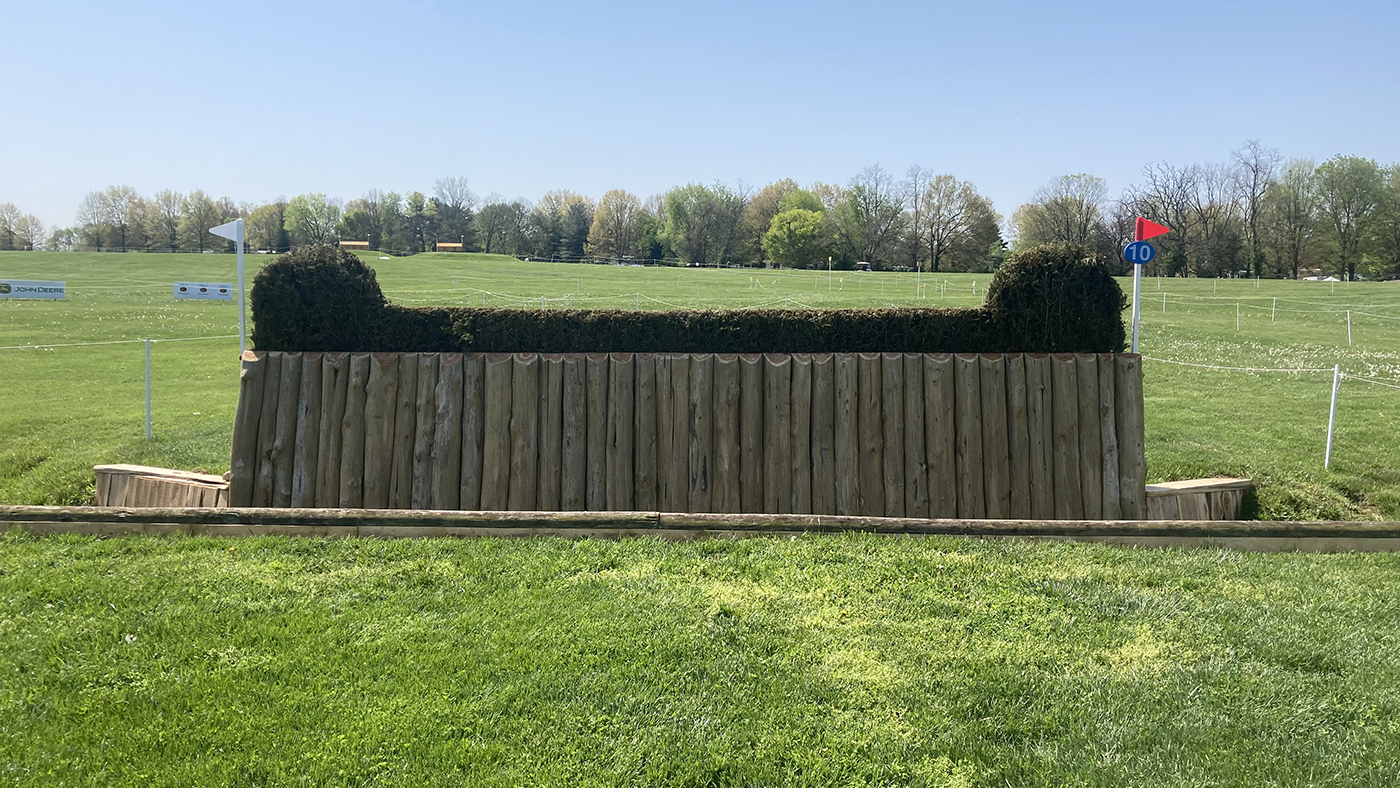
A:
[208,291]
[19,288]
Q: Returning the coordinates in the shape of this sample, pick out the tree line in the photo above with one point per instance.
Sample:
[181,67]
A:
[1254,214]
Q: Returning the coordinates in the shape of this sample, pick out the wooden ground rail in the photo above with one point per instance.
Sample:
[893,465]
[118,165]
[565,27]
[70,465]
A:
[876,434]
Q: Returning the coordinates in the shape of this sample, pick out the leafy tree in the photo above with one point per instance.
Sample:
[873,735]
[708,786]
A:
[758,216]
[1385,229]
[870,219]
[9,220]
[1348,191]
[199,215]
[419,222]
[702,223]
[796,238]
[1288,219]
[163,219]
[615,225]
[454,204]
[391,221]
[312,219]
[500,224]
[265,229]
[62,239]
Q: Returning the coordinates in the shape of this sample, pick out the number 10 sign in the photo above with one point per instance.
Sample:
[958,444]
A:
[1139,252]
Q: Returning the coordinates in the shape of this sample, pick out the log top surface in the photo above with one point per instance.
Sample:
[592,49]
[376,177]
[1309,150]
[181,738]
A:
[163,473]
[1217,484]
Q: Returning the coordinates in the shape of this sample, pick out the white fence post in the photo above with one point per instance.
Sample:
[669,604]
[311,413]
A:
[1332,416]
[1348,327]
[148,388]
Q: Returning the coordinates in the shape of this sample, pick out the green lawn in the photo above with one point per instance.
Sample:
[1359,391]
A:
[819,661]
[63,410]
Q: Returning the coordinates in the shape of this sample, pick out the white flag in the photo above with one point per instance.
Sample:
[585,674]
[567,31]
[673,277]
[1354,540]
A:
[232,231]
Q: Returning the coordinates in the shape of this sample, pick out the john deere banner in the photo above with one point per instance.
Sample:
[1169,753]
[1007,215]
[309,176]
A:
[211,291]
[20,288]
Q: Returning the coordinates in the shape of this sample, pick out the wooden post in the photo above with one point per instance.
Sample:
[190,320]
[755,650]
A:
[524,432]
[751,433]
[1018,433]
[1090,435]
[645,433]
[916,503]
[1132,460]
[335,376]
[800,412]
[445,485]
[352,435]
[1108,433]
[424,425]
[267,428]
[405,429]
[679,471]
[620,449]
[665,412]
[891,424]
[871,431]
[381,405]
[824,433]
[551,431]
[244,464]
[596,470]
[574,465]
[1040,425]
[777,433]
[495,452]
[285,436]
[1064,388]
[473,427]
[308,433]
[700,429]
[972,493]
[940,434]
[996,444]
[845,417]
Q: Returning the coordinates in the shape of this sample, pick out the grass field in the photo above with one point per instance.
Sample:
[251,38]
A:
[854,661]
[65,409]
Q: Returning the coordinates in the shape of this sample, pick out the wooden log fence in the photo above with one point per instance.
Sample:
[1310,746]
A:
[886,435]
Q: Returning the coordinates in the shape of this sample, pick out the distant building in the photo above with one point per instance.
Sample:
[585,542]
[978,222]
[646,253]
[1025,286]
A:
[447,247]
[352,245]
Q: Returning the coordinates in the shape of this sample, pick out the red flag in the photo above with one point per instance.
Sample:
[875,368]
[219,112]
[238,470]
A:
[1146,228]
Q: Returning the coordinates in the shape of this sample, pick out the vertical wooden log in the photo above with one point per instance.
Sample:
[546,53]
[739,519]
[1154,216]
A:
[352,435]
[679,472]
[1090,435]
[285,437]
[551,431]
[405,430]
[751,433]
[1108,435]
[244,463]
[381,406]
[1040,426]
[996,446]
[473,428]
[267,428]
[700,429]
[871,436]
[800,411]
[308,440]
[777,433]
[1132,459]
[824,433]
[940,434]
[665,413]
[724,474]
[335,376]
[845,426]
[495,452]
[620,482]
[972,492]
[916,503]
[645,433]
[445,481]
[1018,433]
[424,426]
[892,425]
[524,432]
[1064,395]
[574,465]
[595,477]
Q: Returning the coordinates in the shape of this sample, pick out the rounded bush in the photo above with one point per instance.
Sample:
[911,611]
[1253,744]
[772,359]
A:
[1057,298]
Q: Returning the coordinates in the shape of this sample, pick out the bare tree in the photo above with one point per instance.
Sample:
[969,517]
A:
[870,218]
[615,225]
[453,192]
[163,220]
[1256,169]
[1289,216]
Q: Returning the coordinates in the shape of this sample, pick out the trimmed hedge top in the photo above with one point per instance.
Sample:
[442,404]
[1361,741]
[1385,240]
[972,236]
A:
[1054,298]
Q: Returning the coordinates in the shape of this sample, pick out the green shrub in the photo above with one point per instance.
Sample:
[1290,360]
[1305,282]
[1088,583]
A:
[1048,299]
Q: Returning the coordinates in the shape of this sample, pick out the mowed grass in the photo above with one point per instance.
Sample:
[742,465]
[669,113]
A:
[63,410]
[819,661]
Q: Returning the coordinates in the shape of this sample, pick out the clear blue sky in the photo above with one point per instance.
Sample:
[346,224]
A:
[258,99]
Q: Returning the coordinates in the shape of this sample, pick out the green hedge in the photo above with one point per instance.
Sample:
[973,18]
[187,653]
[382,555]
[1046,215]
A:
[1055,298]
